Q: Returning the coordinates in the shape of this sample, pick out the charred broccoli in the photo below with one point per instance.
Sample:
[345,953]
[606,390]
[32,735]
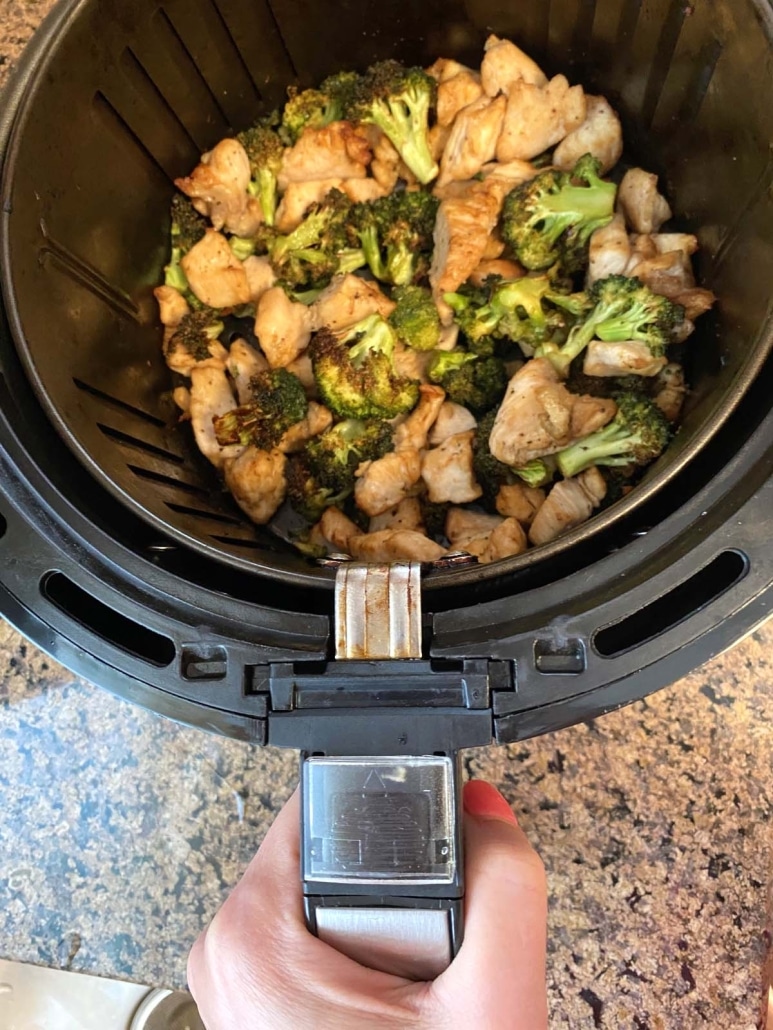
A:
[335,456]
[316,108]
[490,473]
[264,149]
[278,401]
[537,472]
[194,335]
[551,216]
[305,493]
[187,228]
[637,434]
[311,254]
[395,233]
[623,308]
[476,382]
[355,373]
[415,319]
[398,100]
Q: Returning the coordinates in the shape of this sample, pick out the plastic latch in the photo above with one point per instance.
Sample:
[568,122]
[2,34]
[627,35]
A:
[565,658]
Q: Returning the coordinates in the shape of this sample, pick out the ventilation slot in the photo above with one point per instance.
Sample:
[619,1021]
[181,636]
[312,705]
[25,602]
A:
[669,610]
[200,513]
[170,481]
[3,527]
[140,445]
[106,623]
[100,395]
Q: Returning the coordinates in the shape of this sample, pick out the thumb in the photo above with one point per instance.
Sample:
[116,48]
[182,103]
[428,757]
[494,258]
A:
[502,958]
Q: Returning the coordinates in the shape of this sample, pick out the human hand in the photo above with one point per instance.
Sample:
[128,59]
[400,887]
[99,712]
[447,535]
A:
[257,967]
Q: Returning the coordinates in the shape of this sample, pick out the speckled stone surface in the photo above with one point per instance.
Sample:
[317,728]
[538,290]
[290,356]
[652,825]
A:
[120,832]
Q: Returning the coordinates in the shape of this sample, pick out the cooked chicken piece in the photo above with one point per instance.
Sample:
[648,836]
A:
[257,481]
[463,525]
[181,395]
[539,117]
[449,336]
[462,229]
[609,251]
[317,420]
[472,140]
[642,249]
[361,190]
[628,357]
[338,529]
[303,368]
[172,306]
[405,515]
[348,299]
[600,134]
[411,363]
[384,483]
[455,94]
[569,504]
[244,361]
[504,63]
[180,360]
[337,151]
[495,247]
[683,330]
[695,301]
[395,545]
[672,276]
[211,395]
[412,433]
[445,68]
[218,189]
[665,242]
[514,172]
[451,420]
[447,470]
[519,501]
[644,208]
[537,415]
[386,162]
[282,326]
[215,274]
[500,266]
[299,197]
[671,390]
[508,539]
[260,275]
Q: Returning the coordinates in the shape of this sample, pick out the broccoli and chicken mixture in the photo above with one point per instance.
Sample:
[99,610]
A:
[462,318]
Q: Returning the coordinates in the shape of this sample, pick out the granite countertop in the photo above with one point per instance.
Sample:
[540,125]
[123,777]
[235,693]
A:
[121,832]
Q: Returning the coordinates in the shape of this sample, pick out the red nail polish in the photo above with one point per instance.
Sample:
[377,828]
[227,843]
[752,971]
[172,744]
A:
[483,800]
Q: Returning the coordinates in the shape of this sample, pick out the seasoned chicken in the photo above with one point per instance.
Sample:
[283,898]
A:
[472,140]
[449,337]
[644,208]
[218,189]
[600,135]
[317,420]
[260,275]
[304,370]
[244,361]
[569,504]
[539,117]
[609,251]
[509,538]
[437,138]
[628,357]
[537,415]
[283,327]
[495,247]
[347,300]
[445,68]
[299,197]
[211,395]
[405,515]
[456,93]
[451,420]
[671,275]
[338,529]
[448,473]
[172,306]
[470,530]
[519,501]
[666,242]
[181,395]
[257,481]
[411,363]
[499,266]
[412,433]
[386,164]
[671,390]
[337,151]
[384,483]
[361,190]
[394,545]
[513,172]
[504,63]
[215,274]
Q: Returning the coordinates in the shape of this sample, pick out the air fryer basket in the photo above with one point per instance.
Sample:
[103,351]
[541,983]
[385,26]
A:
[132,93]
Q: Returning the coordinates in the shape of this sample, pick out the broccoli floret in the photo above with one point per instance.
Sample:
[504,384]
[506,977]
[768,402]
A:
[538,215]
[305,493]
[415,319]
[536,472]
[334,456]
[398,100]
[433,516]
[623,309]
[316,108]
[264,149]
[350,259]
[527,310]
[395,233]
[278,401]
[475,382]
[195,333]
[490,473]
[309,255]
[355,373]
[242,246]
[635,436]
[187,228]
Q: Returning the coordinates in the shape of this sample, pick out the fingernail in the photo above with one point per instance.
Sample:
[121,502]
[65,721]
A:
[483,800]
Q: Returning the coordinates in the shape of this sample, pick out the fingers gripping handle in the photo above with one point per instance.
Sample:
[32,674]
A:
[382,863]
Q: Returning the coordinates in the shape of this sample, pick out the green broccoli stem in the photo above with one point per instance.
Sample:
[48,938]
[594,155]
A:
[592,203]
[174,275]
[535,473]
[372,250]
[400,265]
[608,446]
[350,260]
[581,335]
[301,238]
[405,123]
[242,247]
[628,326]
